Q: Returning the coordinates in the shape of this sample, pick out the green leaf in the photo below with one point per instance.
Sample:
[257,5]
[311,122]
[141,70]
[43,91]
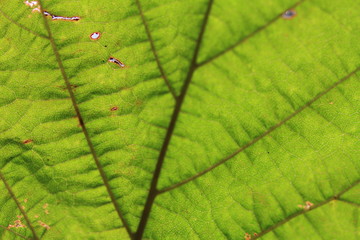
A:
[229,121]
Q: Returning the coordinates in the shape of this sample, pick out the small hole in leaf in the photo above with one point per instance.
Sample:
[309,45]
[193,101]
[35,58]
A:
[116,61]
[95,36]
[289,14]
[54,17]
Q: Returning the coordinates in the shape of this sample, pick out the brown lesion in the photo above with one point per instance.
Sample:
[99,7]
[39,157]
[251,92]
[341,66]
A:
[307,205]
[27,141]
[247,236]
[41,223]
[139,102]
[115,108]
[17,224]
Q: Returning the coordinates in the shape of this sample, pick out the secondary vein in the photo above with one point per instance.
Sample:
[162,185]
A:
[35,236]
[153,187]
[266,133]
[82,124]
[22,26]
[148,32]
[260,29]
[282,222]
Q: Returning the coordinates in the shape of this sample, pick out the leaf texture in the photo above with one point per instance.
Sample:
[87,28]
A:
[229,121]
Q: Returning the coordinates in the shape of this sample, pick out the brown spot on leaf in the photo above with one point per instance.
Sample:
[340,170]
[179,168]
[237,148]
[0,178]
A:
[247,236]
[27,141]
[45,205]
[114,108]
[307,205]
[44,225]
[17,224]
[138,102]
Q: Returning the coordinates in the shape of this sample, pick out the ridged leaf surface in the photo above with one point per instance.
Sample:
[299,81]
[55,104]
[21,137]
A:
[232,119]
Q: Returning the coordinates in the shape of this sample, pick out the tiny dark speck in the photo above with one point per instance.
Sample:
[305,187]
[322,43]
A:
[289,14]
[105,46]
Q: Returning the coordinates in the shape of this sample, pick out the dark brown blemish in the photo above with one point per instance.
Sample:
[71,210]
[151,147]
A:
[289,14]
[27,141]
[114,108]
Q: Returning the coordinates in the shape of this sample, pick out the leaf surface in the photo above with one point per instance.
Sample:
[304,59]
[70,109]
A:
[227,120]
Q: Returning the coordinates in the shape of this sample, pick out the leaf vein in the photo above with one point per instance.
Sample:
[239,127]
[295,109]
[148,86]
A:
[19,206]
[258,138]
[242,40]
[299,213]
[84,129]
[22,26]
[153,49]
[153,192]
[20,235]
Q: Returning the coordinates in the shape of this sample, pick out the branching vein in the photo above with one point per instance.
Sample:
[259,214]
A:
[22,26]
[35,236]
[260,29]
[255,140]
[148,32]
[153,187]
[18,234]
[282,222]
[84,129]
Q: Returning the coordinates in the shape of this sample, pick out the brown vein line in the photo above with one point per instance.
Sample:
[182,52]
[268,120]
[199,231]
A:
[78,114]
[153,187]
[255,140]
[19,206]
[20,235]
[349,202]
[22,26]
[282,222]
[148,32]
[249,36]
